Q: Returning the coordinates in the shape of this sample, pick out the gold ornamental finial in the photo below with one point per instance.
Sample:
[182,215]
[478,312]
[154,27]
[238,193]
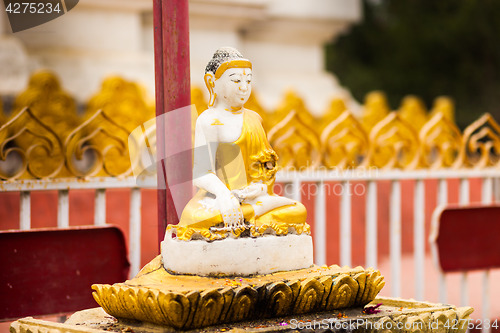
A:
[44,104]
[297,144]
[444,105]
[293,102]
[122,100]
[440,143]
[49,103]
[344,143]
[375,109]
[124,108]
[335,109]
[394,144]
[481,144]
[413,112]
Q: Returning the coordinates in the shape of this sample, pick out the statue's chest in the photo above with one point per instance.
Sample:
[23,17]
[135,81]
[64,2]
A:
[228,127]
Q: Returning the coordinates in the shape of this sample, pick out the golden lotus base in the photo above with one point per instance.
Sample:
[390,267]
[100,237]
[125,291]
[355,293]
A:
[409,315]
[187,302]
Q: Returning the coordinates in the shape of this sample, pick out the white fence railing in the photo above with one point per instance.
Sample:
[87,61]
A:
[99,185]
[292,182]
[489,178]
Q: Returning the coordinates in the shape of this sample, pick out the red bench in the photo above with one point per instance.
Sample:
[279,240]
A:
[466,238]
[50,271]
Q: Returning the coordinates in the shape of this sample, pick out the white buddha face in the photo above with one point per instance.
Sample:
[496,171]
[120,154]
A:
[233,88]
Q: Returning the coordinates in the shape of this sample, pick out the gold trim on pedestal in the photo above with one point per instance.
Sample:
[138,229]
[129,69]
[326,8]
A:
[186,302]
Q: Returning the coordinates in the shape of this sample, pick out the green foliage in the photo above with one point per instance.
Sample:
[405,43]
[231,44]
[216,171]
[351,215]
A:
[427,48]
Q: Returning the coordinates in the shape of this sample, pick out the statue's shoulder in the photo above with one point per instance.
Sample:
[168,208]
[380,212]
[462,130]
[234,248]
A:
[253,114]
[206,117]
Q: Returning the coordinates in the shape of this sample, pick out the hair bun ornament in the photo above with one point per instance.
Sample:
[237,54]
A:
[222,55]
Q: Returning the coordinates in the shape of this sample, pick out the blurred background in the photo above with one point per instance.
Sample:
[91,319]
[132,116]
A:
[427,48]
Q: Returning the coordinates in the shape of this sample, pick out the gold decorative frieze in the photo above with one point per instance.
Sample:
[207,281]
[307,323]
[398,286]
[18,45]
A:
[341,139]
[99,147]
[39,154]
[440,143]
[481,143]
[186,302]
[123,101]
[297,144]
[375,109]
[345,143]
[335,109]
[51,104]
[292,102]
[394,144]
[445,106]
[413,112]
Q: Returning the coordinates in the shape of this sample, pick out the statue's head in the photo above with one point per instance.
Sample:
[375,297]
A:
[228,77]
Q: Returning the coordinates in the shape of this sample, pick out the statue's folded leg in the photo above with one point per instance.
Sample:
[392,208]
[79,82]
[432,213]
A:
[199,216]
[283,219]
[197,219]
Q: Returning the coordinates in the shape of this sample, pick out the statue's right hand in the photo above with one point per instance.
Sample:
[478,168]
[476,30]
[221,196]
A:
[230,210]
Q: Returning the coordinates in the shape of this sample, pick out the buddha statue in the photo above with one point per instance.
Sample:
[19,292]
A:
[239,252]
[234,165]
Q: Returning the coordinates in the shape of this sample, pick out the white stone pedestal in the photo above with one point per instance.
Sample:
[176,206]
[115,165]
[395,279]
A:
[241,256]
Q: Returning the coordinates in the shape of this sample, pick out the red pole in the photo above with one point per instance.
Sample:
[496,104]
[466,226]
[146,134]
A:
[173,91]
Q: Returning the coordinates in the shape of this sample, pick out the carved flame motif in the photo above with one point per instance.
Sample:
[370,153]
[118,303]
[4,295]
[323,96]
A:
[481,143]
[243,304]
[310,296]
[38,155]
[279,297]
[296,144]
[394,144]
[344,143]
[344,293]
[98,147]
[440,142]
